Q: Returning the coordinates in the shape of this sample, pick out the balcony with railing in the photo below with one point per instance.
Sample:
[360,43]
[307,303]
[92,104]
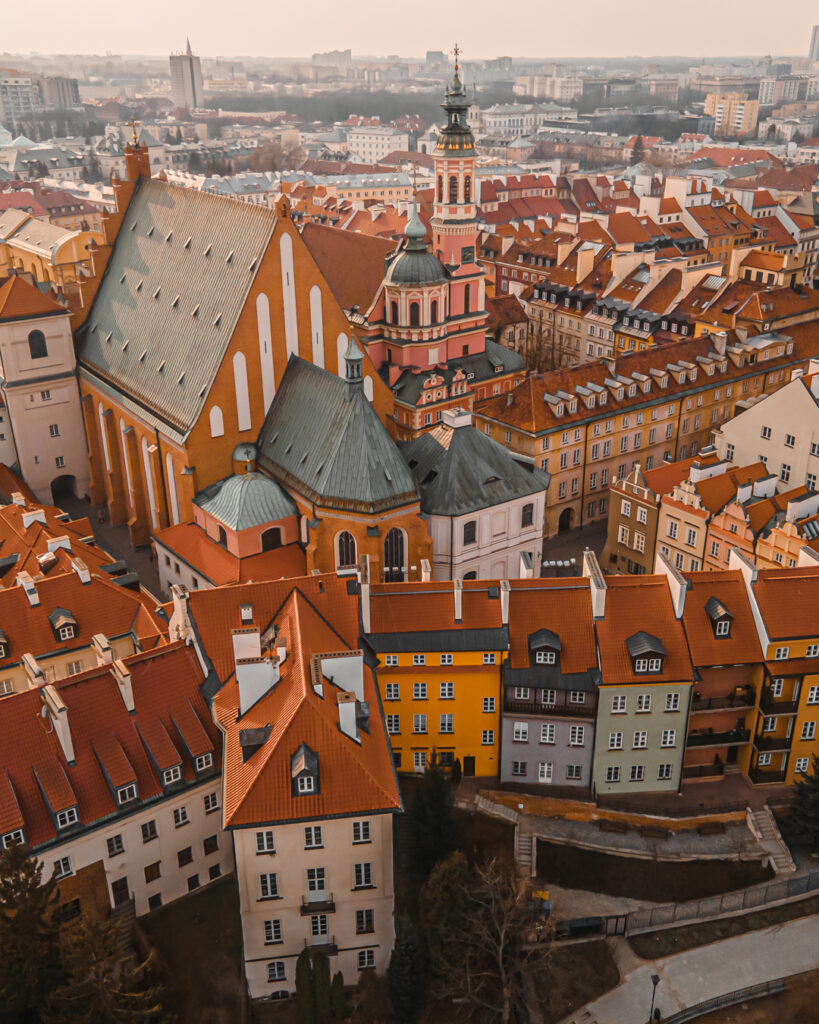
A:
[318,903]
[764,741]
[562,705]
[322,943]
[773,706]
[710,738]
[761,776]
[739,699]
[703,771]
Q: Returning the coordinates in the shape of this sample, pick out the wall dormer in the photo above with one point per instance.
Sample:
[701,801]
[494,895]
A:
[646,652]
[544,648]
[63,624]
[719,616]
[304,772]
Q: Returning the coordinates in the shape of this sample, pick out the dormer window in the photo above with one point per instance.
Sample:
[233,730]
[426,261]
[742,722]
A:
[304,771]
[720,617]
[66,632]
[647,653]
[545,657]
[171,775]
[125,794]
[13,838]
[544,647]
[306,784]
[203,762]
[63,624]
[68,817]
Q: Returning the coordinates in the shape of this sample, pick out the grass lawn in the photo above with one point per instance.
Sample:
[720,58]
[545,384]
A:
[575,975]
[198,943]
[652,945]
[636,878]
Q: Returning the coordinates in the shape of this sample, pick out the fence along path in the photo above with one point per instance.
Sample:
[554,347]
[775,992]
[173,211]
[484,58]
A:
[755,897]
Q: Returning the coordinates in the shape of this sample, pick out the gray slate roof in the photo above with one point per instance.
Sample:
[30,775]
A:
[327,443]
[245,500]
[460,470]
[178,278]
[482,365]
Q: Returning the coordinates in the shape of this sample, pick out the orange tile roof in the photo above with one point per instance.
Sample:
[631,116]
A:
[665,477]
[19,300]
[352,263]
[217,612]
[353,777]
[742,644]
[218,566]
[165,685]
[715,492]
[635,604]
[788,600]
[561,605]
[430,607]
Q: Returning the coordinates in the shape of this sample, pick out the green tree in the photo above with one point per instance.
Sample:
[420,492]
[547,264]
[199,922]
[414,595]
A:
[433,823]
[338,997]
[29,937]
[803,820]
[305,997]
[637,151]
[321,984]
[405,974]
[444,905]
[102,985]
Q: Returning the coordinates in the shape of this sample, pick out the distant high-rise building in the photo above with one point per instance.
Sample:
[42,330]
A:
[187,89]
[813,53]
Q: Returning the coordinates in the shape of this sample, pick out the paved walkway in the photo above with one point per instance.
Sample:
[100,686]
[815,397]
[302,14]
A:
[699,974]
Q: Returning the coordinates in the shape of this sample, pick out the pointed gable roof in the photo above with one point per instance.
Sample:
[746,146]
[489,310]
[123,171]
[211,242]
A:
[20,300]
[344,457]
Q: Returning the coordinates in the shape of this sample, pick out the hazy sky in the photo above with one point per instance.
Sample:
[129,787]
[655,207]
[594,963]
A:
[534,28]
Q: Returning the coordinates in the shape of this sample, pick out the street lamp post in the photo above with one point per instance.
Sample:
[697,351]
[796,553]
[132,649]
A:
[655,981]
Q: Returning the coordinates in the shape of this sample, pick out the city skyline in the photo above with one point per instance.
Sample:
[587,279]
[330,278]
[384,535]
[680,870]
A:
[248,33]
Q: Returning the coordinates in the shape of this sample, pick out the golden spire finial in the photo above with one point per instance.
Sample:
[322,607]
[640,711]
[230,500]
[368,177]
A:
[133,125]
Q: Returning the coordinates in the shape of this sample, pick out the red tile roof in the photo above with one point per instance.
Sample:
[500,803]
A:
[742,644]
[217,565]
[353,777]
[20,300]
[562,606]
[788,599]
[423,607]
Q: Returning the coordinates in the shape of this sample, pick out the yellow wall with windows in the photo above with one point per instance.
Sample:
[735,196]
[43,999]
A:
[474,682]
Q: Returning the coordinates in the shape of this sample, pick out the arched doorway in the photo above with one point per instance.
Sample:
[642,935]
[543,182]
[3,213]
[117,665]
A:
[272,538]
[394,556]
[63,487]
[565,521]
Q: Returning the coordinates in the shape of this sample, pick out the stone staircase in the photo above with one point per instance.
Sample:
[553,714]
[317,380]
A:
[732,769]
[124,917]
[771,840]
[524,849]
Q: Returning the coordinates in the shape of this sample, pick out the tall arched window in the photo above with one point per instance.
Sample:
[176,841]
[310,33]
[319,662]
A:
[415,314]
[272,538]
[453,189]
[440,188]
[37,347]
[347,554]
[467,189]
[222,537]
[433,311]
[394,556]
[394,313]
[466,298]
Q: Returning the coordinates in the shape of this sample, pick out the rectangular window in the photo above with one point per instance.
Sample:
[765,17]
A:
[672,529]
[519,768]
[808,730]
[115,846]
[67,817]
[577,697]
[545,771]
[62,867]
[211,802]
[364,922]
[613,773]
[489,658]
[419,760]
[763,760]
[446,724]
[547,732]
[790,440]
[419,691]
[637,773]
[204,761]
[664,772]
[642,514]
[184,856]
[315,879]
[813,695]
[545,657]
[148,831]
[618,704]
[643,702]
[622,535]
[672,702]
[522,693]
[272,932]
[361,831]
[392,691]
[691,537]
[784,472]
[801,765]
[171,775]
[275,971]
[782,653]
[419,659]
[312,837]
[366,959]
[574,772]
[264,842]
[391,660]
[268,886]
[446,659]
[126,793]
[520,732]
[548,698]
[180,816]
[669,738]
[363,876]
[393,724]
[487,737]
[488,705]
[812,651]
[447,691]
[419,723]
[615,741]
[210,845]
[577,735]
[640,740]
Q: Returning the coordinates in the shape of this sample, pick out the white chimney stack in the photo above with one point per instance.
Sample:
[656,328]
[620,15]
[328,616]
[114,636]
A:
[56,710]
[597,583]
[102,649]
[27,583]
[504,601]
[123,678]
[458,591]
[347,716]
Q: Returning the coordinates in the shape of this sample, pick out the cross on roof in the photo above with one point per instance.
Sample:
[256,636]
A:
[457,53]
[133,125]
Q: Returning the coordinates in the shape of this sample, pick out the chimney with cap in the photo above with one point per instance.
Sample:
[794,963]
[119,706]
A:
[27,583]
[56,710]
